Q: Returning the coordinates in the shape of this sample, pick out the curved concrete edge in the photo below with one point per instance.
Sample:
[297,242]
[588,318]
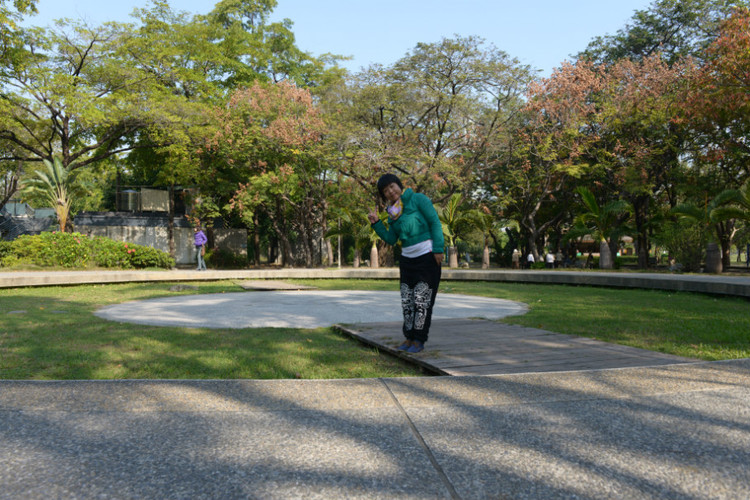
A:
[710,284]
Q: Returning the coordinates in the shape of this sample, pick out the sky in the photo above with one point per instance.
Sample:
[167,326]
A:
[540,33]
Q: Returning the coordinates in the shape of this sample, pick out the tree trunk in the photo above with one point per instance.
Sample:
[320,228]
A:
[640,205]
[452,257]
[532,250]
[713,258]
[374,256]
[486,256]
[329,254]
[170,223]
[726,230]
[357,256]
[614,247]
[256,240]
[339,255]
[605,256]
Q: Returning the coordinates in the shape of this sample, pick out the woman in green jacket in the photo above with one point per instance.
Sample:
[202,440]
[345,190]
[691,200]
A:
[412,220]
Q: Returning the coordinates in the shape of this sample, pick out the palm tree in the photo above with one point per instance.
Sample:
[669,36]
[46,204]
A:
[57,187]
[738,205]
[454,222]
[740,197]
[487,225]
[709,216]
[355,224]
[604,223]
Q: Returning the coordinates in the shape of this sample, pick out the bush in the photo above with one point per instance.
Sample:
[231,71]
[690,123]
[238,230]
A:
[110,253]
[74,250]
[141,257]
[224,259]
[6,249]
[685,241]
[51,250]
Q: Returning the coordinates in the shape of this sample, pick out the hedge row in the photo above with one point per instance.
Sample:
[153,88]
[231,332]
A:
[74,250]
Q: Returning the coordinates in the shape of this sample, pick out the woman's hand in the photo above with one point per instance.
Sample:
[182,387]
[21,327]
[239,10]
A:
[438,258]
[373,217]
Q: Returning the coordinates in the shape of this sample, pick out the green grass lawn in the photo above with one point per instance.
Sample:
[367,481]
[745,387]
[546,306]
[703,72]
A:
[51,333]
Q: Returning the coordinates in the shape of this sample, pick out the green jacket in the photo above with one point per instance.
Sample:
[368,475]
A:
[417,223]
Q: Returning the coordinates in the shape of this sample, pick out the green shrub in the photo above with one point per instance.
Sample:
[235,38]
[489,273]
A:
[142,256]
[74,250]
[6,249]
[685,240]
[53,249]
[110,253]
[224,259]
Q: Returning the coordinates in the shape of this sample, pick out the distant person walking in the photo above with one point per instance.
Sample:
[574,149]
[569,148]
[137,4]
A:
[516,259]
[530,260]
[412,220]
[200,247]
[549,260]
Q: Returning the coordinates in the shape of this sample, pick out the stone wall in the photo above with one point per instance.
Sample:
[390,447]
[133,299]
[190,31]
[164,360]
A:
[151,230]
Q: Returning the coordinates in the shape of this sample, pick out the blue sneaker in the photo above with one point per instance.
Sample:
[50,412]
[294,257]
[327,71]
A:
[416,346]
[405,346]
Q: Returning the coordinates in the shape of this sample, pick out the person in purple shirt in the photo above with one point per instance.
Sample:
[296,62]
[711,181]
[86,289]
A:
[200,246]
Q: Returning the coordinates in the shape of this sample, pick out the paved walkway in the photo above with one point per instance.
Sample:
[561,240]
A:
[672,431]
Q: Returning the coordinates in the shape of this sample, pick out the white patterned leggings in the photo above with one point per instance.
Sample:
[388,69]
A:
[420,278]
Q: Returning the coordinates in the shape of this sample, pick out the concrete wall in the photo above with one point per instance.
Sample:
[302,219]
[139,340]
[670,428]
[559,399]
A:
[155,237]
[234,240]
[152,231]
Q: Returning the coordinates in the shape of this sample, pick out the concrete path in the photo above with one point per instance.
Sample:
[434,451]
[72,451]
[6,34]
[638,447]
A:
[735,285]
[673,431]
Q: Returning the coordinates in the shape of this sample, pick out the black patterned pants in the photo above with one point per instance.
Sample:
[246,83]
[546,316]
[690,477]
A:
[420,278]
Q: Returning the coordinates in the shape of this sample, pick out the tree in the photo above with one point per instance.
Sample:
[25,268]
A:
[430,117]
[483,220]
[9,30]
[604,223]
[454,221]
[70,94]
[57,187]
[548,150]
[710,215]
[641,141]
[737,212]
[10,175]
[673,28]
[265,158]
[737,204]
[250,48]
[196,61]
[716,104]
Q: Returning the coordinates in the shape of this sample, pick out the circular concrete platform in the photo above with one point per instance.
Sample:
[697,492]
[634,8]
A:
[296,309]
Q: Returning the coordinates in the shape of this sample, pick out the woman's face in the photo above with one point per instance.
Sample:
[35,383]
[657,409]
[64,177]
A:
[392,192]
